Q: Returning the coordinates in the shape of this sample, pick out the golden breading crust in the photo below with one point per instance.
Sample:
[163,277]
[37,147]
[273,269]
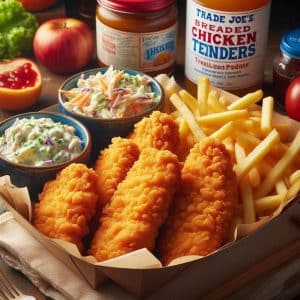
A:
[112,166]
[159,131]
[204,206]
[67,204]
[139,206]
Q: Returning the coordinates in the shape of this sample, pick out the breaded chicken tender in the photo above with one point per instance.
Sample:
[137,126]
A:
[204,205]
[112,166]
[139,206]
[67,204]
[159,131]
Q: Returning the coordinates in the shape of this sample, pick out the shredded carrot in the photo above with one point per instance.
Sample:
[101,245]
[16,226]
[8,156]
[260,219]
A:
[103,84]
[136,107]
[80,100]
[70,93]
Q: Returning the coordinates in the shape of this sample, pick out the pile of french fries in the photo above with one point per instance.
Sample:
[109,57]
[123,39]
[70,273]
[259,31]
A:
[266,158]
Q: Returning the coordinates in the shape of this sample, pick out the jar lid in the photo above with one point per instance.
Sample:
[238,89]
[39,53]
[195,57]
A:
[136,6]
[290,43]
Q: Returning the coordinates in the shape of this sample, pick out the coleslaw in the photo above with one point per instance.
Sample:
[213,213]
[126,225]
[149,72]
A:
[113,94]
[39,142]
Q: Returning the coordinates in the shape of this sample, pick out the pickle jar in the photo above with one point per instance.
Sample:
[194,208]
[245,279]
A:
[137,34]
[286,65]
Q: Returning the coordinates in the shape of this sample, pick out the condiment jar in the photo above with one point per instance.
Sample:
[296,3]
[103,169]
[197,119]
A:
[226,42]
[286,65]
[137,34]
[87,10]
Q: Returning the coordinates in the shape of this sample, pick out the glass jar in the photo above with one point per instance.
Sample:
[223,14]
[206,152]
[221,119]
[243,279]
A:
[226,42]
[135,34]
[87,10]
[286,65]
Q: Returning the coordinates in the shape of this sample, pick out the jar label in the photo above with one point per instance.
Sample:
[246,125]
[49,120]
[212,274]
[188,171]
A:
[146,52]
[227,47]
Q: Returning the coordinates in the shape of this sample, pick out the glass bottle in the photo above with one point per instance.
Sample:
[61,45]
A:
[134,34]
[286,65]
[87,11]
[226,41]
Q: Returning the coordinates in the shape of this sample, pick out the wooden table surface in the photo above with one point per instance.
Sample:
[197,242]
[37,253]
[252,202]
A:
[283,17]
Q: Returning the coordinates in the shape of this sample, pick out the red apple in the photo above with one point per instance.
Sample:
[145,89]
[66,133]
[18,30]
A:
[63,45]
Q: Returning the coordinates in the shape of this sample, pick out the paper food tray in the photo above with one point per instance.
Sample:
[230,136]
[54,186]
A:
[142,274]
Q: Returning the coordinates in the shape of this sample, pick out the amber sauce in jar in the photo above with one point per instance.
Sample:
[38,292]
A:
[286,65]
[138,35]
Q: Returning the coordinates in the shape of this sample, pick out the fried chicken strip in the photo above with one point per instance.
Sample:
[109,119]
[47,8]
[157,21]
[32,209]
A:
[67,204]
[204,206]
[159,131]
[139,206]
[112,166]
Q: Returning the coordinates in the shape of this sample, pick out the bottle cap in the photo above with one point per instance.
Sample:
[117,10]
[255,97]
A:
[290,43]
[136,6]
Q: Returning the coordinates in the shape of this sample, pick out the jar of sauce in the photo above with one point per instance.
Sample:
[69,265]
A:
[87,10]
[226,42]
[286,65]
[137,34]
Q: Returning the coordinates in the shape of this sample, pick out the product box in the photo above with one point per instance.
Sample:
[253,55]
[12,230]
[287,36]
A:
[258,248]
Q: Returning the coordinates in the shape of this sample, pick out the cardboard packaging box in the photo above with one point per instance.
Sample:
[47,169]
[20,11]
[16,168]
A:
[273,243]
[259,248]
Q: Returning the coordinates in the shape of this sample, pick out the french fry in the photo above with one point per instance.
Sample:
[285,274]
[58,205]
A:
[266,115]
[213,104]
[268,203]
[294,177]
[172,86]
[266,162]
[175,114]
[169,86]
[183,129]
[279,169]
[218,119]
[245,188]
[188,116]
[224,100]
[190,101]
[266,166]
[239,152]
[203,86]
[246,140]
[254,177]
[257,154]
[280,187]
[293,191]
[246,101]
[229,145]
[247,198]
[223,132]
[245,125]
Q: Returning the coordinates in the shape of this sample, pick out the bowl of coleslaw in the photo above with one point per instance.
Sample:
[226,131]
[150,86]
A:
[35,146]
[109,101]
